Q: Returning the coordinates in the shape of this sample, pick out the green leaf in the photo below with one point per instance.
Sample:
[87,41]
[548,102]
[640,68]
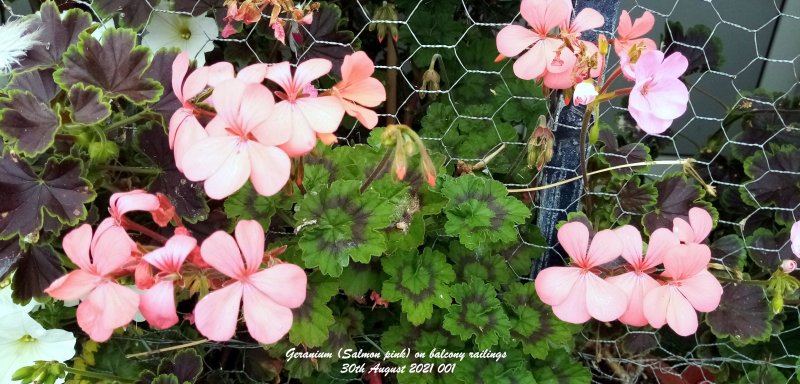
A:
[116,66]
[763,374]
[489,268]
[358,278]
[514,368]
[478,313]
[533,323]
[339,223]
[58,33]
[27,122]
[418,281]
[87,105]
[422,338]
[480,212]
[561,368]
[58,190]
[743,315]
[313,319]
[247,204]
[165,379]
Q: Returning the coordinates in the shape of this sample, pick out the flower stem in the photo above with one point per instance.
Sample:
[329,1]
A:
[614,75]
[131,119]
[168,349]
[378,170]
[576,178]
[97,375]
[584,167]
[127,224]
[135,170]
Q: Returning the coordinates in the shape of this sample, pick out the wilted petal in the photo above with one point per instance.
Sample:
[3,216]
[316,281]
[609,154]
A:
[215,315]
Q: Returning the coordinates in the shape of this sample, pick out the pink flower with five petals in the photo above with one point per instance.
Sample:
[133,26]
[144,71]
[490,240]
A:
[659,96]
[106,304]
[637,282]
[158,302]
[630,33]
[576,292]
[265,295]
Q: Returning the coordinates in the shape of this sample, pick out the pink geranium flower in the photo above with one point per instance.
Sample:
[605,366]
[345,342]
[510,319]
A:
[696,230]
[184,128]
[630,34]
[795,238]
[267,295]
[544,53]
[690,287]
[106,305]
[571,72]
[240,144]
[298,110]
[359,90]
[637,282]
[576,292]
[158,303]
[658,96]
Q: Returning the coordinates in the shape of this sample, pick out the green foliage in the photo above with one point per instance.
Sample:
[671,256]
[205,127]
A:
[419,282]
[477,313]
[314,318]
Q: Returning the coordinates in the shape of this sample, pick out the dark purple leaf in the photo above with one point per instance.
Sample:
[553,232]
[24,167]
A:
[38,268]
[198,7]
[59,190]
[729,250]
[703,51]
[774,178]
[185,195]
[675,197]
[133,14]
[57,34]
[87,104]
[323,39]
[615,155]
[638,343]
[39,82]
[160,70]
[10,254]
[743,314]
[27,122]
[116,66]
[768,250]
[637,198]
[185,365]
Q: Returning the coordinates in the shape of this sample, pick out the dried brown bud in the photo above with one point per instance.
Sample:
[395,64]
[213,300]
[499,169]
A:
[540,145]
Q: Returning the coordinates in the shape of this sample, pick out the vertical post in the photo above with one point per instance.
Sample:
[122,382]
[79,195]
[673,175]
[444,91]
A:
[554,203]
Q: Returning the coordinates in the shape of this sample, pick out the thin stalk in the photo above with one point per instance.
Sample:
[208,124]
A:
[614,75]
[576,178]
[134,170]
[127,224]
[584,167]
[168,349]
[97,375]
[391,81]
[378,170]
[132,119]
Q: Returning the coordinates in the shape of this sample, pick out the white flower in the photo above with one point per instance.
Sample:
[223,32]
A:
[23,341]
[15,41]
[193,35]
[585,93]
[7,303]
[795,238]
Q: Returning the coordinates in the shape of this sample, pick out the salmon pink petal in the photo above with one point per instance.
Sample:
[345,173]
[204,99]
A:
[157,305]
[266,320]
[356,67]
[323,114]
[171,256]
[231,176]
[109,252]
[179,69]
[73,285]
[330,138]
[574,237]
[191,132]
[281,74]
[136,200]
[655,305]
[219,73]
[108,307]
[641,25]
[606,246]
[302,141]
[701,223]
[636,286]
[250,237]
[686,260]
[631,241]
[585,20]
[311,70]
[254,112]
[558,61]
[177,121]
[143,275]
[683,230]
[216,314]
[207,156]
[702,290]
[546,15]
[625,25]
[270,168]
[76,245]
[604,301]
[228,98]
[681,317]
[283,283]
[221,252]
[554,284]
[531,64]
[194,84]
[253,74]
[367,117]
[573,309]
[563,80]
[368,92]
[661,241]
[514,39]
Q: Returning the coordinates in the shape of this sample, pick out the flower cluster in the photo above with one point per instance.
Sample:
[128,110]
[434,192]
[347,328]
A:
[107,257]
[552,51]
[250,134]
[638,296]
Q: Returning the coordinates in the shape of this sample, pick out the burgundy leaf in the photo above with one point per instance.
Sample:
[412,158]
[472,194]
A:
[675,197]
[10,254]
[743,314]
[87,104]
[57,34]
[161,71]
[132,13]
[38,268]
[39,82]
[27,122]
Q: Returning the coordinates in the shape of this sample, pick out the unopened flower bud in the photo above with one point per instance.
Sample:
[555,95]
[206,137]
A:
[602,44]
[789,266]
[540,145]
[385,12]
[585,93]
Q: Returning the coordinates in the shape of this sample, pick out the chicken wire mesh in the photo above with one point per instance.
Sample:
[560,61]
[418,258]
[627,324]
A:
[476,95]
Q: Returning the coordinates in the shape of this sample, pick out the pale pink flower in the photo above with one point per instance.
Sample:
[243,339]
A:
[241,144]
[572,71]
[630,34]
[585,93]
[267,294]
[184,128]
[300,113]
[690,287]
[788,266]
[696,230]
[359,90]
[576,292]
[223,71]
[637,282]
[106,304]
[544,53]
[158,303]
[795,238]
[659,96]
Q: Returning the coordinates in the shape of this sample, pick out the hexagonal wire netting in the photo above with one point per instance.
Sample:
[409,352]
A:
[758,40]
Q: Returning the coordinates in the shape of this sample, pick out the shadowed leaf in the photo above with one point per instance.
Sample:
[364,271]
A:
[160,70]
[743,315]
[39,82]
[58,32]
[132,13]
[675,197]
[27,122]
[38,268]
[10,254]
[87,105]
[313,319]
